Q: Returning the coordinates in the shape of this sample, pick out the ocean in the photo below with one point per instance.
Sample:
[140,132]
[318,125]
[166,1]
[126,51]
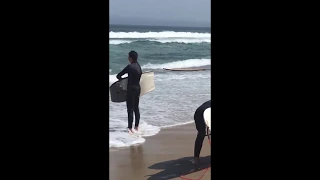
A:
[177,94]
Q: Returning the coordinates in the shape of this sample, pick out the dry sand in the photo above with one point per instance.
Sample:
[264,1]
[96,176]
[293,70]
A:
[166,155]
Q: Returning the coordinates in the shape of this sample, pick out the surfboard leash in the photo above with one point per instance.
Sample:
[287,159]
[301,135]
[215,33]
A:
[182,177]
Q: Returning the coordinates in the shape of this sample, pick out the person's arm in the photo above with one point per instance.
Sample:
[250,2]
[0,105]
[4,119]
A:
[124,71]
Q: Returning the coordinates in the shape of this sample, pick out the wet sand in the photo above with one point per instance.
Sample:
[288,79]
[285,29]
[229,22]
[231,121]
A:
[166,155]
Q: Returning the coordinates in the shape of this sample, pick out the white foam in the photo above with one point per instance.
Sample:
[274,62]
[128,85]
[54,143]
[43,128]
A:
[163,34]
[116,42]
[180,64]
[184,41]
[123,139]
[178,124]
[167,77]
[146,130]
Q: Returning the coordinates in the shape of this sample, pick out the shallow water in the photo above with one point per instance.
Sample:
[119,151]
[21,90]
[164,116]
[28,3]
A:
[177,94]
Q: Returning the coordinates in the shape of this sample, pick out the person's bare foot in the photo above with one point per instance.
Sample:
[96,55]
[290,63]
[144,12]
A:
[136,128]
[130,130]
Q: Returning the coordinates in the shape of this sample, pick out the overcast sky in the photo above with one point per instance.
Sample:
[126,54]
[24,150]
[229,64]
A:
[160,12]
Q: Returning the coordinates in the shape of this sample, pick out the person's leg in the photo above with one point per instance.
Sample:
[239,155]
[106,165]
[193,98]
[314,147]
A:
[136,112]
[136,108]
[130,109]
[201,127]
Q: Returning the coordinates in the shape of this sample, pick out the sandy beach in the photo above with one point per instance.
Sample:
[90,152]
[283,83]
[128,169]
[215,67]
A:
[166,155]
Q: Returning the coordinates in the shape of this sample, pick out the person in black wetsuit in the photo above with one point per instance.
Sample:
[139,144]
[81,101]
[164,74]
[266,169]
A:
[133,89]
[201,127]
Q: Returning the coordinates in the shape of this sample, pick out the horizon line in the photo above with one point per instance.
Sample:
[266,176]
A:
[160,25]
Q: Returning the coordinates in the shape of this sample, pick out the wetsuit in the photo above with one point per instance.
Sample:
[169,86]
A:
[201,127]
[133,91]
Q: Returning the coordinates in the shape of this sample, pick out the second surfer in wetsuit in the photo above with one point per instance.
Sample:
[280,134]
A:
[133,89]
[201,127]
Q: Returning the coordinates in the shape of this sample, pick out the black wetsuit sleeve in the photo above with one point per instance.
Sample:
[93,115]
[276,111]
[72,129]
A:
[124,71]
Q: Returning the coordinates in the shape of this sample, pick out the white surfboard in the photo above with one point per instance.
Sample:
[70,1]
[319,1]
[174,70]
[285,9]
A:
[207,117]
[147,82]
[118,90]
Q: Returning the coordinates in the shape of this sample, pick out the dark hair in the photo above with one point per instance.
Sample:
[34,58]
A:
[133,55]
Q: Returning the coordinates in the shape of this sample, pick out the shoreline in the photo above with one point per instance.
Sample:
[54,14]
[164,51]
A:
[161,128]
[166,155]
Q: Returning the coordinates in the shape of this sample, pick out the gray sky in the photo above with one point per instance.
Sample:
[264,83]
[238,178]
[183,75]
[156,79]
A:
[160,12]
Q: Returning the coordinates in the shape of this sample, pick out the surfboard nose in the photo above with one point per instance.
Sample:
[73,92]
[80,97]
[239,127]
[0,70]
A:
[207,117]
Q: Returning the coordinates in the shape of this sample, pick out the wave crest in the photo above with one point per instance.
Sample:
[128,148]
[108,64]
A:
[163,34]
[179,64]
